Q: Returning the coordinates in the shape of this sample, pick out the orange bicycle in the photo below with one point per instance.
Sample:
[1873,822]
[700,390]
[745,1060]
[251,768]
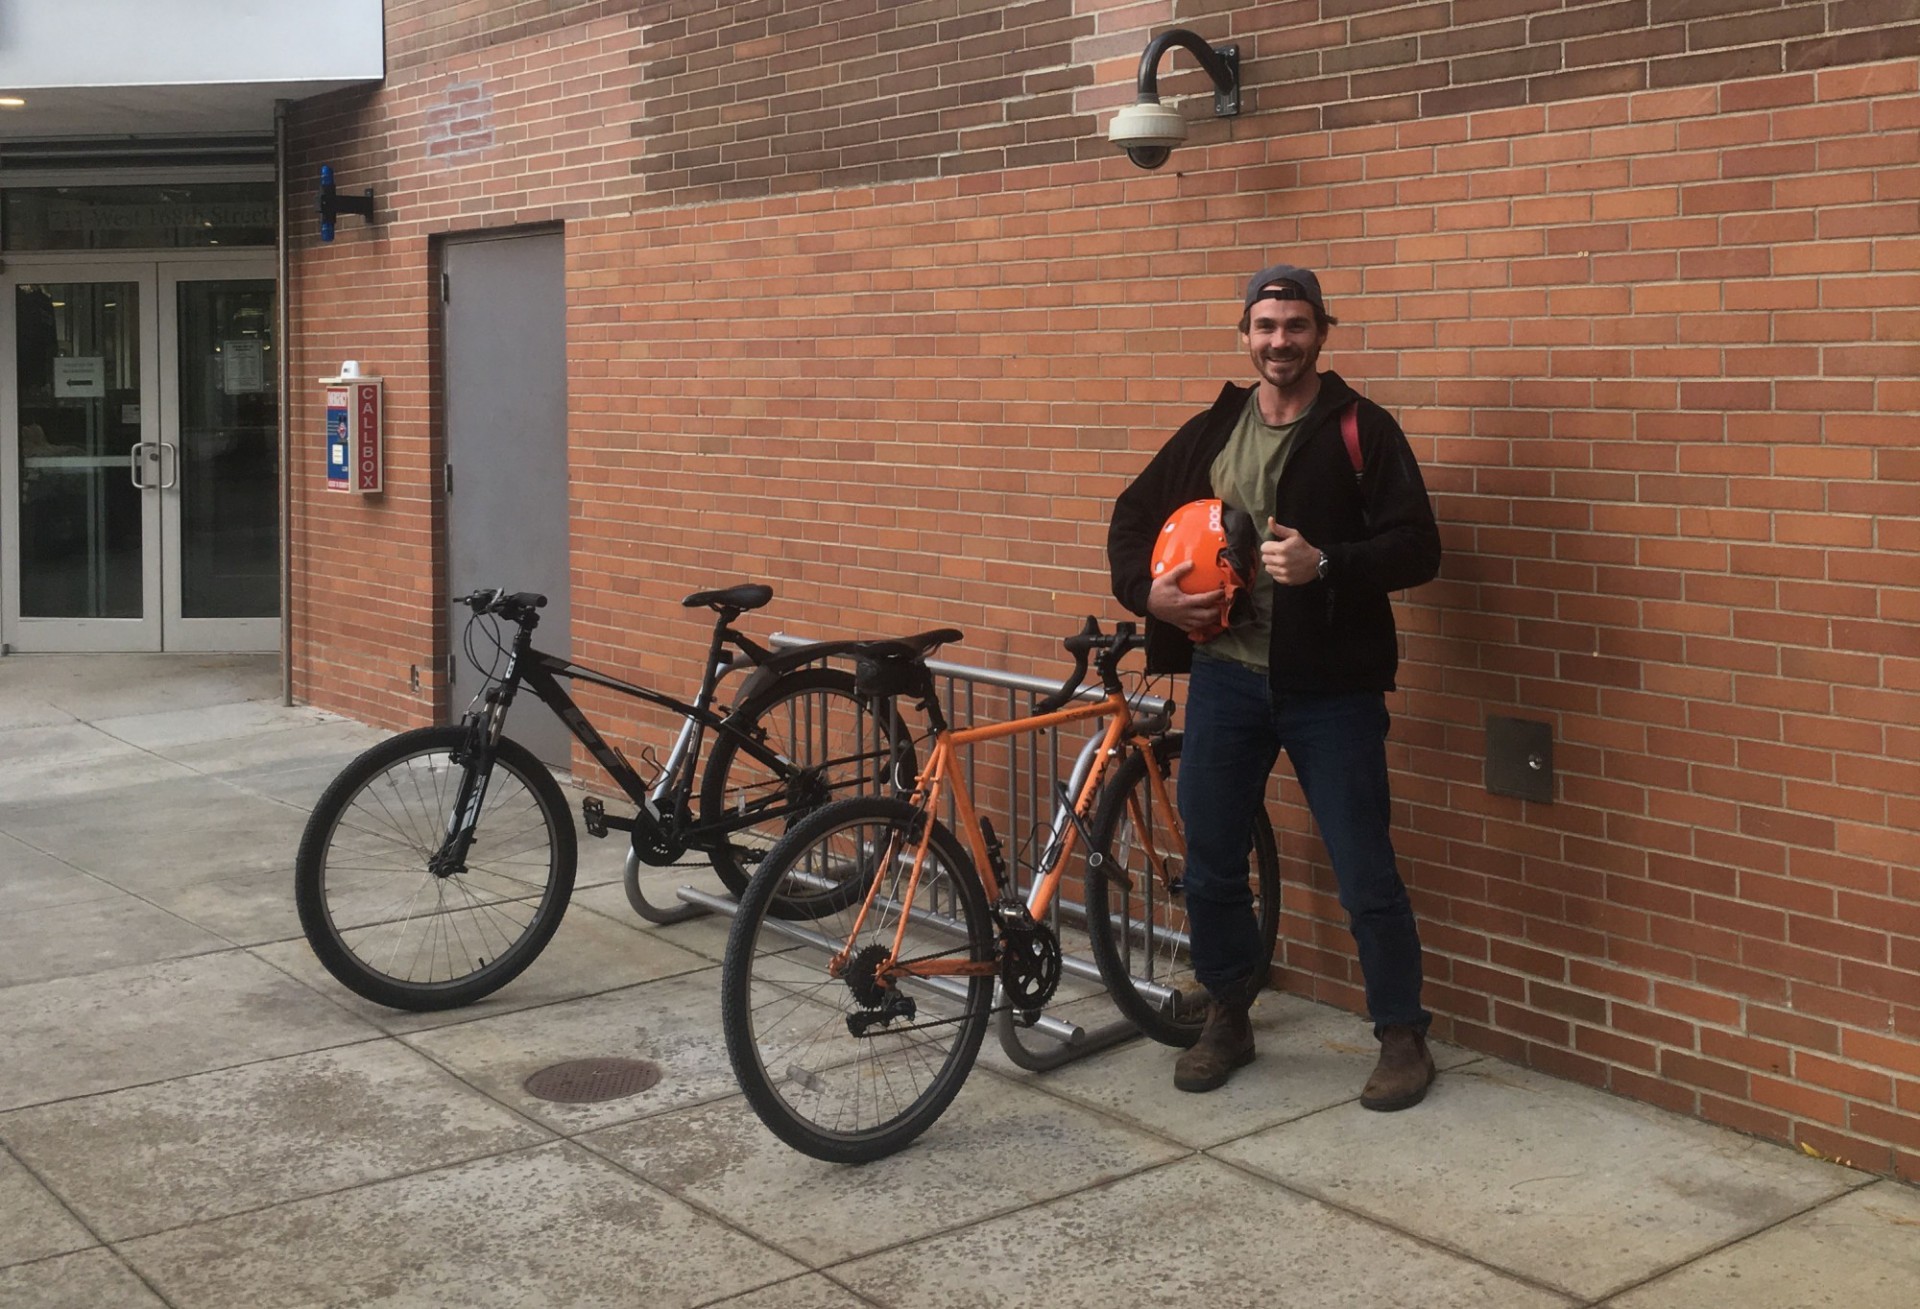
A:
[852,1027]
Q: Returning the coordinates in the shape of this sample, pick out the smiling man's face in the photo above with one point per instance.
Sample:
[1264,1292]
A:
[1283,340]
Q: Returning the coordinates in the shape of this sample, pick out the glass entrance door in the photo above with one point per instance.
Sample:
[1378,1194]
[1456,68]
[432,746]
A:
[138,481]
[80,538]
[220,410]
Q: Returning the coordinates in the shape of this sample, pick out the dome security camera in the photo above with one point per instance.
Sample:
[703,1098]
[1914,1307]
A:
[1148,129]
[1148,132]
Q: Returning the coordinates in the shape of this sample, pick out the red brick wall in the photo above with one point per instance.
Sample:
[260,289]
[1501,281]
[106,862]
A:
[1643,301]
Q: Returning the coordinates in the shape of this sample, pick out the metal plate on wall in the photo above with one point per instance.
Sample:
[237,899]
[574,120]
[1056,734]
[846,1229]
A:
[1520,758]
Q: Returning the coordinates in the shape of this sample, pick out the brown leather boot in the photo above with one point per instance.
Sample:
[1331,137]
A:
[1226,1043]
[1405,1071]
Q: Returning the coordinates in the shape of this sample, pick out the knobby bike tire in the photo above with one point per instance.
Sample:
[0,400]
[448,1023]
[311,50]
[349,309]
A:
[808,716]
[1134,929]
[386,926]
[818,1085]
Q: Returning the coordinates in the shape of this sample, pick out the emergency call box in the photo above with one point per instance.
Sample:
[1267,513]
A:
[356,459]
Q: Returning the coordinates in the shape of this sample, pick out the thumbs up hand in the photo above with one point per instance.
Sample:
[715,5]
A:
[1289,558]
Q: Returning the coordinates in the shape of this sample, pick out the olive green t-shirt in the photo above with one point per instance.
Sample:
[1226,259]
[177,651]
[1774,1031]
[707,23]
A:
[1245,473]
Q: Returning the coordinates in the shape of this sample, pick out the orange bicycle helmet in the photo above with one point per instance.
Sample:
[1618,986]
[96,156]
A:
[1224,548]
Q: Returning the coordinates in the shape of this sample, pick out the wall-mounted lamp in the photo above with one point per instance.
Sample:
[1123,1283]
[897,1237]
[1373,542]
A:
[333,204]
[1147,129]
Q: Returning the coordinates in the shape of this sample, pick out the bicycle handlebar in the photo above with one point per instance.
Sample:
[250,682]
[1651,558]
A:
[1112,647]
[515,608]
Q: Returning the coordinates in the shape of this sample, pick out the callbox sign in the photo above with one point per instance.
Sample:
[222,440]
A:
[355,435]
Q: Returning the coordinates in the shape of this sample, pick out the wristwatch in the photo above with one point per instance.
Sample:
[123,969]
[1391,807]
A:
[1324,568]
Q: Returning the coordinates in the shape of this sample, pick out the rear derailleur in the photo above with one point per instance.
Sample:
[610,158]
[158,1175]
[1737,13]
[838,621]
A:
[880,1000]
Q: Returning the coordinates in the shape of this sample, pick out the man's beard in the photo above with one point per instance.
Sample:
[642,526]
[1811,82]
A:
[1289,368]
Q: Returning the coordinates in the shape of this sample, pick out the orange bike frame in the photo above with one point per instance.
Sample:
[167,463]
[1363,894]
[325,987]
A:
[944,765]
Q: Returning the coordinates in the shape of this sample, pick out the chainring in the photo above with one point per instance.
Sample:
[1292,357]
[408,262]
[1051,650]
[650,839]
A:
[1029,962]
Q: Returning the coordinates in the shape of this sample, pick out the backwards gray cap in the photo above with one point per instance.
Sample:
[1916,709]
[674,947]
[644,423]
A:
[1261,287]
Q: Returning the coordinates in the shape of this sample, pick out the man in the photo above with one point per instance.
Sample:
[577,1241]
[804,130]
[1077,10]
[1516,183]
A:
[1307,673]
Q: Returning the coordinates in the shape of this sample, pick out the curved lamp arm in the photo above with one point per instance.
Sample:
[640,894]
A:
[1222,64]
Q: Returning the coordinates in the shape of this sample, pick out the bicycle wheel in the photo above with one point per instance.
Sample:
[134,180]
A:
[1137,920]
[838,743]
[851,1069]
[384,922]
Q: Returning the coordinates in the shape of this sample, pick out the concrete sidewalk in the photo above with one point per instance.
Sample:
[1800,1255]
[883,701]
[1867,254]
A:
[194,1114]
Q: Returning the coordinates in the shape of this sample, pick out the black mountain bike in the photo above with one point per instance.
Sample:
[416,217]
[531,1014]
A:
[437,866]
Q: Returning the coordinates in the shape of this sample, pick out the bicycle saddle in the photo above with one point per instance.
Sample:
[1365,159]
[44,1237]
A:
[747,595]
[897,666]
[914,647]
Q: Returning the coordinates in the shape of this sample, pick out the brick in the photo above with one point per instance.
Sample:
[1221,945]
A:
[1901,1057]
[1704,1073]
[1793,1029]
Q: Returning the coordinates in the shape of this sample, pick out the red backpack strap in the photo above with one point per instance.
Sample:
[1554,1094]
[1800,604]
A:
[1350,433]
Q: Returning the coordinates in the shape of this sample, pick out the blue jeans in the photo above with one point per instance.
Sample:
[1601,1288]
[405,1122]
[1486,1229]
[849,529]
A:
[1235,730]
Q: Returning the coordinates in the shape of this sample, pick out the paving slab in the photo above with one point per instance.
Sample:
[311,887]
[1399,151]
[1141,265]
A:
[92,1279]
[21,706]
[70,761]
[810,1292]
[262,1134]
[997,1148]
[554,1225]
[1308,1057]
[27,750]
[1862,1251]
[591,953]
[94,935]
[168,731]
[83,1035]
[674,1023]
[1194,1232]
[314,741]
[297,785]
[1564,1185]
[33,1224]
[110,686]
[165,832]
[241,909]
[30,879]
[705,936]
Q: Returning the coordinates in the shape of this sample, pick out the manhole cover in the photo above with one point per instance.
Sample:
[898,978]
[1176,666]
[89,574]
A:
[586,1081]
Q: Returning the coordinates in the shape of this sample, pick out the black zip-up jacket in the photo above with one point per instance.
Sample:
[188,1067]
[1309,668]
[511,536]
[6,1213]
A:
[1378,532]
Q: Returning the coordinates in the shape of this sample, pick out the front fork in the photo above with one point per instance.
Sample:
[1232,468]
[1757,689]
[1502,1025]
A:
[484,727]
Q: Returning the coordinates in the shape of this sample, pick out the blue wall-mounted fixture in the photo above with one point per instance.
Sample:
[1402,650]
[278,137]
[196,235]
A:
[333,204]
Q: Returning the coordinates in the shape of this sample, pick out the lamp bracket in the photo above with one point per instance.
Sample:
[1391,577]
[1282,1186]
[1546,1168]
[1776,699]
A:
[333,204]
[1222,64]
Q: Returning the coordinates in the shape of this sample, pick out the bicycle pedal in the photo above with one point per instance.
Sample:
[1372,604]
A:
[594,814]
[1025,1017]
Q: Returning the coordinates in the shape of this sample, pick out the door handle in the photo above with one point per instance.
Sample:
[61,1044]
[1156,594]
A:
[169,458]
[137,454]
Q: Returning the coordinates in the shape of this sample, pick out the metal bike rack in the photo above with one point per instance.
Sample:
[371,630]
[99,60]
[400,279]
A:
[1028,784]
[630,878]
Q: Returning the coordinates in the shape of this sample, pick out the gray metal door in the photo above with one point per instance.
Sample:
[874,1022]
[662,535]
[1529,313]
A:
[505,306]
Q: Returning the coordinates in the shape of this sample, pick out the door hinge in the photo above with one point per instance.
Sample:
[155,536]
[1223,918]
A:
[446,476]
[453,668]
[446,288]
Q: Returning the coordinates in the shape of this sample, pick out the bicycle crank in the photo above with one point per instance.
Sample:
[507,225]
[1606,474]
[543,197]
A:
[1029,964]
